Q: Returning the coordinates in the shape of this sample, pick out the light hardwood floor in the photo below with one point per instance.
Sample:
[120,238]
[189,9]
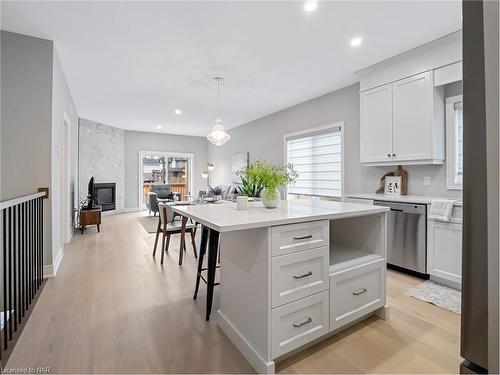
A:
[113,308]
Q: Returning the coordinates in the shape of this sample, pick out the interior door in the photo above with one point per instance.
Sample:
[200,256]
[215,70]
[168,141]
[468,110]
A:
[376,124]
[412,118]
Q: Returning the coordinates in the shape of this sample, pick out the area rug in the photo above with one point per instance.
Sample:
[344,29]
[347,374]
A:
[437,294]
[149,223]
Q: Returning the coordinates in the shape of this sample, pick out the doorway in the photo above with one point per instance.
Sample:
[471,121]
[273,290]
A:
[66,200]
[164,167]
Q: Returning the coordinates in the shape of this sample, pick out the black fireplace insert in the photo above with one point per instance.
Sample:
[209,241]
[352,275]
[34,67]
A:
[105,195]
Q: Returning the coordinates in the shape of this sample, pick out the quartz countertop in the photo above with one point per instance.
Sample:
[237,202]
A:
[224,217]
[419,199]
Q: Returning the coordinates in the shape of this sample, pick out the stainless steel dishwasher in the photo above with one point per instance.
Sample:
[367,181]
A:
[406,235]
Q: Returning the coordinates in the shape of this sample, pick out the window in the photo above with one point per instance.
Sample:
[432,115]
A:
[316,155]
[454,142]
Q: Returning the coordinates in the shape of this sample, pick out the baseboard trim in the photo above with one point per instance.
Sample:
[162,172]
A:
[50,270]
[248,351]
[130,209]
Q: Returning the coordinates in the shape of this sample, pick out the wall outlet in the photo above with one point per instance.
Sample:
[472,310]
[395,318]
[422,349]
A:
[427,181]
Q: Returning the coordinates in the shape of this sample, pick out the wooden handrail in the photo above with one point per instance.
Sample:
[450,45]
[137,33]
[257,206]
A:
[25,198]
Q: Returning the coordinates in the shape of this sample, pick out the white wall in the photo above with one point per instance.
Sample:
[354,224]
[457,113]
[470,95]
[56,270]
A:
[263,139]
[62,107]
[144,141]
[102,155]
[26,122]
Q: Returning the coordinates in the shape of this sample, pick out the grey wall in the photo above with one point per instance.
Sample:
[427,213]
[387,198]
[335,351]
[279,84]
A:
[63,109]
[102,155]
[143,141]
[263,139]
[26,121]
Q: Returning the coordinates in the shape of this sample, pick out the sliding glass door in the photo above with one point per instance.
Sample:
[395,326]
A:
[165,168]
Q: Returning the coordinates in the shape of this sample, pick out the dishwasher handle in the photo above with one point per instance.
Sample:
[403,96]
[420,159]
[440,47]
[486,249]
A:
[397,210]
[409,208]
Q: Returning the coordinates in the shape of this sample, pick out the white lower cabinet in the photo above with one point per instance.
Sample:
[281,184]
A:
[444,250]
[299,322]
[299,275]
[356,292]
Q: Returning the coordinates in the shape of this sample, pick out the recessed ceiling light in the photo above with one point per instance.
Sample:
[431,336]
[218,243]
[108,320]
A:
[178,112]
[159,127]
[355,42]
[310,5]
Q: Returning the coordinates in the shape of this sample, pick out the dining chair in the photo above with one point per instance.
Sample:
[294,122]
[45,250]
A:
[167,226]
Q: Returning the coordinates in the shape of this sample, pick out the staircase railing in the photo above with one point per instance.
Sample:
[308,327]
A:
[21,265]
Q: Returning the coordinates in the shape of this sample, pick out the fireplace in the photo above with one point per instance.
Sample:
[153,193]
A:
[105,195]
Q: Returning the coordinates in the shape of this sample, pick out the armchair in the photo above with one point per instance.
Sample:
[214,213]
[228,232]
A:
[159,193]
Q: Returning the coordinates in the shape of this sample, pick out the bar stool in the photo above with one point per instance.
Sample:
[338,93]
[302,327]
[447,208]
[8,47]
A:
[211,237]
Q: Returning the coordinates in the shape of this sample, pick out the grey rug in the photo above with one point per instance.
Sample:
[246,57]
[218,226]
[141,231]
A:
[437,294]
[149,223]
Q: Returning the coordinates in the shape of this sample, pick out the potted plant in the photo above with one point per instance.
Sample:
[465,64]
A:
[217,192]
[273,177]
[251,186]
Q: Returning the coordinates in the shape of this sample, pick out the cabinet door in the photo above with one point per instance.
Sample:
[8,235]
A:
[376,124]
[444,250]
[412,118]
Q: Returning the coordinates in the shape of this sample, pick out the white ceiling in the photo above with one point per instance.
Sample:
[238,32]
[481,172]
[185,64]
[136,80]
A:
[130,64]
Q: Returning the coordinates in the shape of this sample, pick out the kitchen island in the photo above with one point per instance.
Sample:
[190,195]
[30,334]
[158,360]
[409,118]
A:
[294,275]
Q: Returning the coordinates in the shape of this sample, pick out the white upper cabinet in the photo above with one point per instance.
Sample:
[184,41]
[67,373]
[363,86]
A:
[376,120]
[403,122]
[412,118]
[402,107]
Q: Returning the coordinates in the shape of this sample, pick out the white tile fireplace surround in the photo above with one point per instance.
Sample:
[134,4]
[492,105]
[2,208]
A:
[102,155]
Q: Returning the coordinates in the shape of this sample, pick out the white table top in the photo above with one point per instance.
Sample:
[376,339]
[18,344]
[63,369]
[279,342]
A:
[224,217]
[421,199]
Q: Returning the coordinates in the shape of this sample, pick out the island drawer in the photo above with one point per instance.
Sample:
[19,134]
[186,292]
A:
[299,275]
[356,292]
[286,239]
[298,323]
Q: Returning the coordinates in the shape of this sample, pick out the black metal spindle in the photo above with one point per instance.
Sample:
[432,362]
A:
[35,245]
[4,232]
[19,263]
[9,248]
[41,234]
[23,225]
[28,252]
[40,248]
[14,266]
[32,291]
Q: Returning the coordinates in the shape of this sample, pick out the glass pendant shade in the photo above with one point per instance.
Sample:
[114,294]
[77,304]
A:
[218,136]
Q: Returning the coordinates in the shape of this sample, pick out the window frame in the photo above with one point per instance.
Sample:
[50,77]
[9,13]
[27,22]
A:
[305,133]
[450,142]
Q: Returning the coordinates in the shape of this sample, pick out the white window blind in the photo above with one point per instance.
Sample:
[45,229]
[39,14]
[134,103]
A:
[317,157]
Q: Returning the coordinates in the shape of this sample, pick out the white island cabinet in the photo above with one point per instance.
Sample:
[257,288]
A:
[292,276]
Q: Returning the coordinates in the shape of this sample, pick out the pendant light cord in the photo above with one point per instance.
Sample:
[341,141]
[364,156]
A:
[219,80]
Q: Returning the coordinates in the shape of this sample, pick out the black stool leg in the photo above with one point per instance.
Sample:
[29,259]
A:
[203,249]
[213,245]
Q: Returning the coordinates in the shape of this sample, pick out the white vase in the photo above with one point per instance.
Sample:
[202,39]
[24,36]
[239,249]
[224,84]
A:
[271,199]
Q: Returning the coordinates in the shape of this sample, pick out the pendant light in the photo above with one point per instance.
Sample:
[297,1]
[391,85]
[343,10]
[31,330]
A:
[218,136]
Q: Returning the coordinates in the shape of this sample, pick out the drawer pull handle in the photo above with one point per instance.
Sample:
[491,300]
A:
[303,237]
[302,276]
[360,291]
[307,321]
